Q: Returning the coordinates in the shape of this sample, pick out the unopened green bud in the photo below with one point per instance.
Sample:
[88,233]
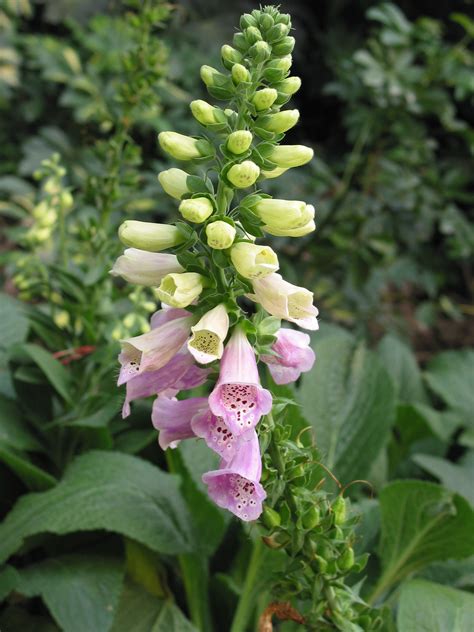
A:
[266,21]
[284,18]
[240,73]
[277,540]
[289,86]
[184,147]
[51,186]
[239,142]
[264,99]
[311,518]
[277,69]
[66,200]
[284,47]
[276,33]
[271,518]
[174,182]
[240,42]
[296,472]
[247,20]
[230,56]
[243,175]
[339,509]
[287,156]
[253,35]
[149,236]
[207,114]
[322,564]
[220,235]
[260,51]
[196,210]
[280,122]
[180,289]
[346,561]
[212,77]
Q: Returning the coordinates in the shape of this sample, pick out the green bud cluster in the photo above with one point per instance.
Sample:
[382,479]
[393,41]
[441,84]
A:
[315,528]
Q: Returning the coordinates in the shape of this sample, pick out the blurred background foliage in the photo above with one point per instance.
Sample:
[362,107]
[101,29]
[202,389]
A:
[387,103]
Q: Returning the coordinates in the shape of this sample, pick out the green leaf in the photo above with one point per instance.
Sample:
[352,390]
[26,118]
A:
[421,523]
[142,612]
[80,591]
[9,579]
[458,478]
[100,418]
[454,573]
[14,321]
[428,607]
[6,382]
[35,478]
[53,370]
[350,401]
[103,490]
[13,430]
[450,375]
[401,364]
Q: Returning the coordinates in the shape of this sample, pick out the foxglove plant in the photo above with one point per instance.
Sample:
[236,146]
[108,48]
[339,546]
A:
[209,283]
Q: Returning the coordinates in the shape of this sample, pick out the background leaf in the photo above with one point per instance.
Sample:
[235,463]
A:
[53,370]
[428,607]
[350,401]
[14,321]
[401,364]
[142,612]
[81,591]
[103,490]
[457,477]
[451,376]
[421,523]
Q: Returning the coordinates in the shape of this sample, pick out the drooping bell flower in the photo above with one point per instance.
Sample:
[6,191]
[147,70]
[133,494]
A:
[293,356]
[235,485]
[217,435]
[238,396]
[253,261]
[145,268]
[173,419]
[179,374]
[207,341]
[285,300]
[180,290]
[151,351]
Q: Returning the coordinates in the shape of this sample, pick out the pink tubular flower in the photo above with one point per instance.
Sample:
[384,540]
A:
[179,374]
[238,397]
[216,434]
[235,485]
[173,419]
[151,351]
[294,356]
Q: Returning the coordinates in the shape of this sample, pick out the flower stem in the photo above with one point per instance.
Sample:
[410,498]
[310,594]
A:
[194,570]
[248,596]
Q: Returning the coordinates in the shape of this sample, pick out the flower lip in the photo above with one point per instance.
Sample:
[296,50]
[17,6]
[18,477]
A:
[235,485]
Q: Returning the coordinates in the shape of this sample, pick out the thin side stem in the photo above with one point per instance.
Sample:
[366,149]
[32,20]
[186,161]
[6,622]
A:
[195,573]
[248,596]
